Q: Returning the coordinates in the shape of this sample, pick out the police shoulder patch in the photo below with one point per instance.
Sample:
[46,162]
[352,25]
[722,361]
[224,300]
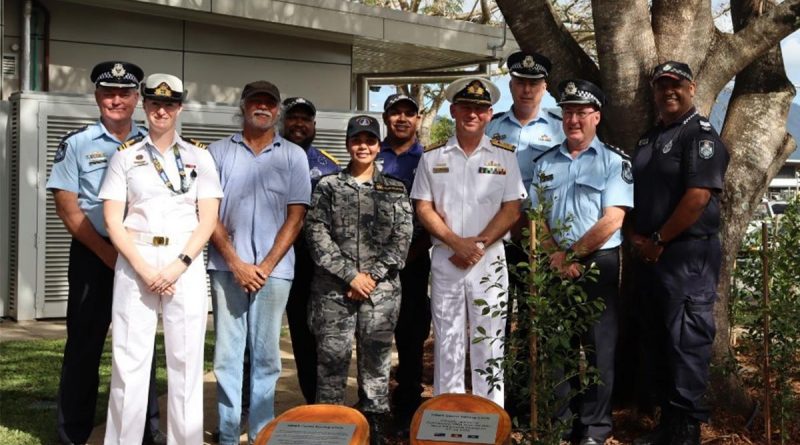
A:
[503,145]
[706,149]
[617,150]
[627,171]
[435,146]
[195,142]
[328,155]
[132,141]
[499,115]
[61,150]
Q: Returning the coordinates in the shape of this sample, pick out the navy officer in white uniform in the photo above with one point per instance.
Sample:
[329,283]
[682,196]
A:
[161,197]
[468,192]
[589,185]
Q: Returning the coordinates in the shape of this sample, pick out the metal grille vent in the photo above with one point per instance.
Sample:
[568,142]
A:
[332,141]
[13,194]
[10,65]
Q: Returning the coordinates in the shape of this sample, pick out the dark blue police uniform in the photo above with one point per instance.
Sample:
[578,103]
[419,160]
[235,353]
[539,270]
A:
[414,323]
[320,163]
[677,292]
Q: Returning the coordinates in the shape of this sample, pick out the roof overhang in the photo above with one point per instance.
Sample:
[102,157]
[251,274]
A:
[384,41]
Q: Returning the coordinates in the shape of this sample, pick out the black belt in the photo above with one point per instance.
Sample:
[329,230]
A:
[599,254]
[691,237]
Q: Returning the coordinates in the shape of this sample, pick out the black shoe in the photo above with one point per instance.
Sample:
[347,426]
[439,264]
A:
[155,438]
[591,441]
[687,432]
[377,427]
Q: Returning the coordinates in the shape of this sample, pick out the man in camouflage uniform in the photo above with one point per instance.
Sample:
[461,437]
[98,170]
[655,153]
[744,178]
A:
[359,230]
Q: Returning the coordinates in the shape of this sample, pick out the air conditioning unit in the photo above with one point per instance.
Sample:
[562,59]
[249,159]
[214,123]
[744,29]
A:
[36,250]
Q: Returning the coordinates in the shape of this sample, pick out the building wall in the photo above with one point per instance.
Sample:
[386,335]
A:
[214,61]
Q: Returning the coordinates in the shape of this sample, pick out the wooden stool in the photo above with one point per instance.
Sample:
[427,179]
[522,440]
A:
[320,414]
[465,403]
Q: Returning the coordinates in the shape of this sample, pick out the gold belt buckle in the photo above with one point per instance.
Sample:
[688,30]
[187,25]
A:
[160,241]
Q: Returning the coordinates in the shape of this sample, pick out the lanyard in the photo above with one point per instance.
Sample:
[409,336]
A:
[163,174]
[668,146]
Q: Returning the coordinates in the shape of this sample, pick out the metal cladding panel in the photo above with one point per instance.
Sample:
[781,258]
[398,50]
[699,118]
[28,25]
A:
[13,210]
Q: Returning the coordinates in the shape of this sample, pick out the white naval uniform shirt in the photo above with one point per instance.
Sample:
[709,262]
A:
[467,192]
[151,206]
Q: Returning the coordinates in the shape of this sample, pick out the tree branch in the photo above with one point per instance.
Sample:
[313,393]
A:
[684,30]
[733,52]
[537,28]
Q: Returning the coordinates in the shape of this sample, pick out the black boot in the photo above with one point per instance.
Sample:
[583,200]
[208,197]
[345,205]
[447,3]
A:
[687,432]
[377,427]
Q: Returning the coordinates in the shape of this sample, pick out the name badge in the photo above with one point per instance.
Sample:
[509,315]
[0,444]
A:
[441,168]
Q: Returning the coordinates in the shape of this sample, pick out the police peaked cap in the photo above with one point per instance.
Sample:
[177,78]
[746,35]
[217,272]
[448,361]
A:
[528,65]
[580,92]
[162,86]
[116,74]
[674,70]
[473,90]
[293,102]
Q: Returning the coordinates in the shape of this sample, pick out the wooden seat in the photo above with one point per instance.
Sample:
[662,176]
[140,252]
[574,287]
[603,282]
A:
[320,414]
[465,403]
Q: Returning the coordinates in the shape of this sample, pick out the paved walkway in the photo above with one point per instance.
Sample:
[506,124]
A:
[287,395]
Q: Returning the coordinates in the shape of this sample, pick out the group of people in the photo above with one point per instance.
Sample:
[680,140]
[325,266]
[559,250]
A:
[350,250]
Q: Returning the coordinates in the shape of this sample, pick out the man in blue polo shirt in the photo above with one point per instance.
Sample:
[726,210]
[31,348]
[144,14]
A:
[251,262]
[589,185]
[400,153]
[300,127]
[79,167]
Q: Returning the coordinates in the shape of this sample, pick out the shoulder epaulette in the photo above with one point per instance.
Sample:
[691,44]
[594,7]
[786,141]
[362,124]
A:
[130,142]
[554,147]
[617,150]
[705,125]
[554,114]
[328,155]
[435,146]
[74,132]
[503,145]
[499,115]
[194,142]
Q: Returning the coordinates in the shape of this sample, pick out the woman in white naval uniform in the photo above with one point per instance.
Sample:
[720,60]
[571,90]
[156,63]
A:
[161,198]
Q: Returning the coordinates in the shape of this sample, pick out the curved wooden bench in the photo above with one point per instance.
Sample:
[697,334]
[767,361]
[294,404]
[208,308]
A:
[320,414]
[465,403]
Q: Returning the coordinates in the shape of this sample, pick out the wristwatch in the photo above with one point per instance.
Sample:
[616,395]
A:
[375,277]
[185,259]
[656,239]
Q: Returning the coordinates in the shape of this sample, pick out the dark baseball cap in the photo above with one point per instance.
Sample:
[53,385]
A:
[397,98]
[261,87]
[293,102]
[362,124]
[674,70]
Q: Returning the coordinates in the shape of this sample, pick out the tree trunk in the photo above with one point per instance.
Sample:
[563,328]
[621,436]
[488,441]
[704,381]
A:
[757,141]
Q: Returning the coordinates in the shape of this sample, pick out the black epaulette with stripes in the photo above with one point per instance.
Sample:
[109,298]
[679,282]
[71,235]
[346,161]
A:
[503,145]
[617,150]
[130,142]
[194,142]
[435,146]
[554,147]
[499,115]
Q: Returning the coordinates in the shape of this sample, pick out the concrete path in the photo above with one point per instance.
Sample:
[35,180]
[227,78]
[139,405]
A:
[287,396]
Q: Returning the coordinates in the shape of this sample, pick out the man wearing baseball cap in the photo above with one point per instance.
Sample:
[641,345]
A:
[399,156]
[678,170]
[468,192]
[79,166]
[251,261]
[299,126]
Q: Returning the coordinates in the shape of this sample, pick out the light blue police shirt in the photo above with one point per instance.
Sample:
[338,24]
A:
[79,166]
[581,188]
[257,190]
[530,140]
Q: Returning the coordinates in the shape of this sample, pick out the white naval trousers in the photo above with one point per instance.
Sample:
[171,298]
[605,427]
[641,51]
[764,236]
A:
[134,317]
[456,319]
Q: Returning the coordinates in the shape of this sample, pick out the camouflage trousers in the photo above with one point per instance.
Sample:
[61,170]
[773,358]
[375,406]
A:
[334,319]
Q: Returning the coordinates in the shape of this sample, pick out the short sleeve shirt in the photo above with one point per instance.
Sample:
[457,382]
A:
[152,206]
[670,159]
[79,166]
[402,166]
[258,188]
[468,191]
[580,189]
[530,140]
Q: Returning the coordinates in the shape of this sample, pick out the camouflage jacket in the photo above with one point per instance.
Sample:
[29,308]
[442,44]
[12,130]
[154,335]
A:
[354,228]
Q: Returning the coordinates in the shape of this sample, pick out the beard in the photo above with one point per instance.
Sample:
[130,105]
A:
[252,121]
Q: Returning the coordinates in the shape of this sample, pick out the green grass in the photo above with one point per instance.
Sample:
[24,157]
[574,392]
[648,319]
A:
[29,375]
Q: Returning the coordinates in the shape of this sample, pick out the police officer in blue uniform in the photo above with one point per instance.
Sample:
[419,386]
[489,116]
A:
[590,184]
[79,167]
[299,126]
[678,167]
[399,156]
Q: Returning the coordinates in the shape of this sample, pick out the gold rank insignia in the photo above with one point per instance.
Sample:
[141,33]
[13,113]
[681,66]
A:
[476,88]
[163,90]
[194,142]
[503,145]
[129,143]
